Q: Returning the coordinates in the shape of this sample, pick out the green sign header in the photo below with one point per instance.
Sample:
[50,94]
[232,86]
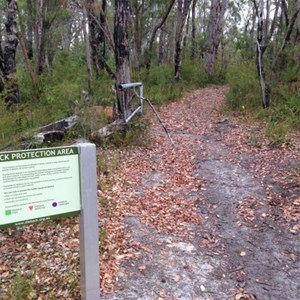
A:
[31,154]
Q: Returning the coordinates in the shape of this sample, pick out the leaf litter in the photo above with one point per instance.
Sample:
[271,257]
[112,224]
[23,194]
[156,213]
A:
[169,202]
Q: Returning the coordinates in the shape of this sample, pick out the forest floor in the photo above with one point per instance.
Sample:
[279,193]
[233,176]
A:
[215,217]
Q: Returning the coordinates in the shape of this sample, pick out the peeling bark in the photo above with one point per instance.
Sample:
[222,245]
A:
[46,14]
[183,7]
[123,106]
[97,22]
[260,49]
[193,46]
[298,22]
[161,46]
[87,51]
[9,56]
[29,39]
[136,20]
[215,30]
[1,66]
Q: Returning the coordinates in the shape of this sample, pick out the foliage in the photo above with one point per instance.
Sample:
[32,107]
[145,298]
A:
[284,113]
[287,111]
[243,87]
[60,92]
[60,95]
[136,134]
[160,84]
[276,132]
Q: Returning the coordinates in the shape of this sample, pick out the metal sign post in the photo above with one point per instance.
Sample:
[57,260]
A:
[88,225]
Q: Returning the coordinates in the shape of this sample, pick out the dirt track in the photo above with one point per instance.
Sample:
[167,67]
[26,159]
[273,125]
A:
[215,217]
[242,238]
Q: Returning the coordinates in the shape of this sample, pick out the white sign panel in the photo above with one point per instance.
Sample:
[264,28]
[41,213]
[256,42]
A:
[39,185]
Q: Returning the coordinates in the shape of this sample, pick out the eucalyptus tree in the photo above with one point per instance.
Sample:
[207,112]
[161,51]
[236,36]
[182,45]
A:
[29,32]
[97,34]
[123,105]
[47,14]
[193,43]
[260,49]
[1,51]
[137,22]
[158,25]
[214,32]
[8,63]
[277,32]
[183,7]
[1,65]
[297,39]
[88,48]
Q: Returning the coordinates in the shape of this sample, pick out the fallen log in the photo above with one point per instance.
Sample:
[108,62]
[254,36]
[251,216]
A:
[109,130]
[57,130]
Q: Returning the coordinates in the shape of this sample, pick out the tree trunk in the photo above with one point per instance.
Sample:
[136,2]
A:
[103,26]
[252,31]
[215,30]
[267,19]
[28,66]
[136,17]
[183,7]
[96,20]
[66,38]
[46,13]
[39,31]
[284,10]
[123,106]
[193,46]
[29,39]
[1,66]
[298,22]
[260,49]
[87,53]
[159,25]
[161,46]
[9,55]
[187,30]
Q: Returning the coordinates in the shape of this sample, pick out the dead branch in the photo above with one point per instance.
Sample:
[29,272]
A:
[160,121]
[109,130]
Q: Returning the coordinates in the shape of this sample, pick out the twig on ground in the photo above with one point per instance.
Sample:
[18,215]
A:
[159,119]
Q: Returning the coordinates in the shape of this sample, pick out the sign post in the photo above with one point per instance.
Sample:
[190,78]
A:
[88,225]
[43,184]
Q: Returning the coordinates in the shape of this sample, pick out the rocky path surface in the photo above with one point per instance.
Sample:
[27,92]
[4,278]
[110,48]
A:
[215,217]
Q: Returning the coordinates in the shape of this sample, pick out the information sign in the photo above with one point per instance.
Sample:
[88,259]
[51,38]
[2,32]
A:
[39,185]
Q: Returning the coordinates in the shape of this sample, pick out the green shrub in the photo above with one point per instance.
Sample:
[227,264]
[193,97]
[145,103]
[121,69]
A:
[288,111]
[194,75]
[276,132]
[160,84]
[244,92]
[58,94]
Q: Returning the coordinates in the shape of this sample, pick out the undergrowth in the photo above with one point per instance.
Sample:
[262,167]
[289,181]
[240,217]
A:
[244,98]
[59,93]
